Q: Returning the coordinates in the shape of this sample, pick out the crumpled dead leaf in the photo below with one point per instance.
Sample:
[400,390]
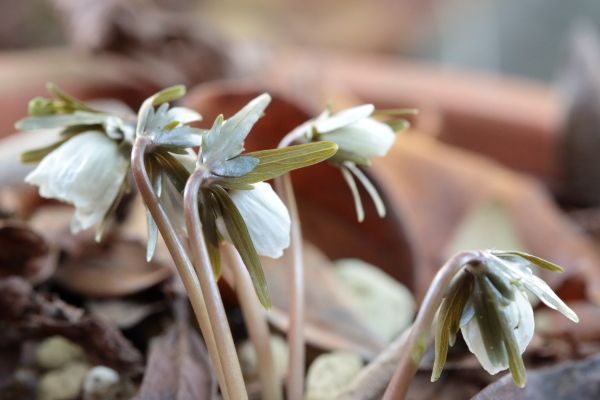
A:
[125,313]
[24,253]
[115,267]
[178,366]
[25,314]
[565,381]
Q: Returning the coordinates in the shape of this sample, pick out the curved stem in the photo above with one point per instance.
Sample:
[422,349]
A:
[257,325]
[296,347]
[216,311]
[178,253]
[416,344]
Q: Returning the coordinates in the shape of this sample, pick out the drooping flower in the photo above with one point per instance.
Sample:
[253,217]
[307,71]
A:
[488,302]
[355,132]
[88,165]
[359,137]
[87,171]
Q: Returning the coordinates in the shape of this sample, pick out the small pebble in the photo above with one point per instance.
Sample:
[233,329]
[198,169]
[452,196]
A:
[64,383]
[57,351]
[101,383]
[330,374]
[248,361]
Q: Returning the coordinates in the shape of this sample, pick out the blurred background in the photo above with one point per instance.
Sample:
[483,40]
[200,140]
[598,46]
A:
[523,38]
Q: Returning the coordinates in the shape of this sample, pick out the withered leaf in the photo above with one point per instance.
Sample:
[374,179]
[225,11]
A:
[24,253]
[178,367]
[115,268]
[330,321]
[25,314]
[565,381]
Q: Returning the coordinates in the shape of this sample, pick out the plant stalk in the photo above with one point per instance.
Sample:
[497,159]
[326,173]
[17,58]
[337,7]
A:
[216,310]
[416,344]
[296,346]
[178,254]
[257,325]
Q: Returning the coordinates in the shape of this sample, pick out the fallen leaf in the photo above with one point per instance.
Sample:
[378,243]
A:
[25,314]
[178,366]
[565,381]
[486,226]
[124,313]
[550,324]
[330,322]
[382,303]
[113,268]
[24,253]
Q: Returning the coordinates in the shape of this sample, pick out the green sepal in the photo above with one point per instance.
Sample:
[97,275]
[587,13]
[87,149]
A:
[207,208]
[276,162]
[169,94]
[240,237]
[448,319]
[69,100]
[398,125]
[487,314]
[176,172]
[343,156]
[540,262]
[36,155]
[500,281]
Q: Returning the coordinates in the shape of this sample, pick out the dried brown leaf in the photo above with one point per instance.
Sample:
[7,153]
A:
[24,253]
[24,315]
[178,367]
[115,268]
[565,381]
[331,323]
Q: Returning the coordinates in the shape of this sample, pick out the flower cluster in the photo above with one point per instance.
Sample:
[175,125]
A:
[488,301]
[88,167]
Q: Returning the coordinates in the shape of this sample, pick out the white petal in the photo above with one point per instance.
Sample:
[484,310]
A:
[183,115]
[519,270]
[86,171]
[343,118]
[267,218]
[520,316]
[366,138]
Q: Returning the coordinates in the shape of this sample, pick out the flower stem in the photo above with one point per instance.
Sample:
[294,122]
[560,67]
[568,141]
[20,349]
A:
[216,311]
[178,253]
[295,381]
[416,344]
[256,323]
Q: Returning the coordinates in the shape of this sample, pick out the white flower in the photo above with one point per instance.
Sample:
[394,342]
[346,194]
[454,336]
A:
[355,132]
[506,274]
[86,171]
[266,217]
[519,315]
[488,300]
